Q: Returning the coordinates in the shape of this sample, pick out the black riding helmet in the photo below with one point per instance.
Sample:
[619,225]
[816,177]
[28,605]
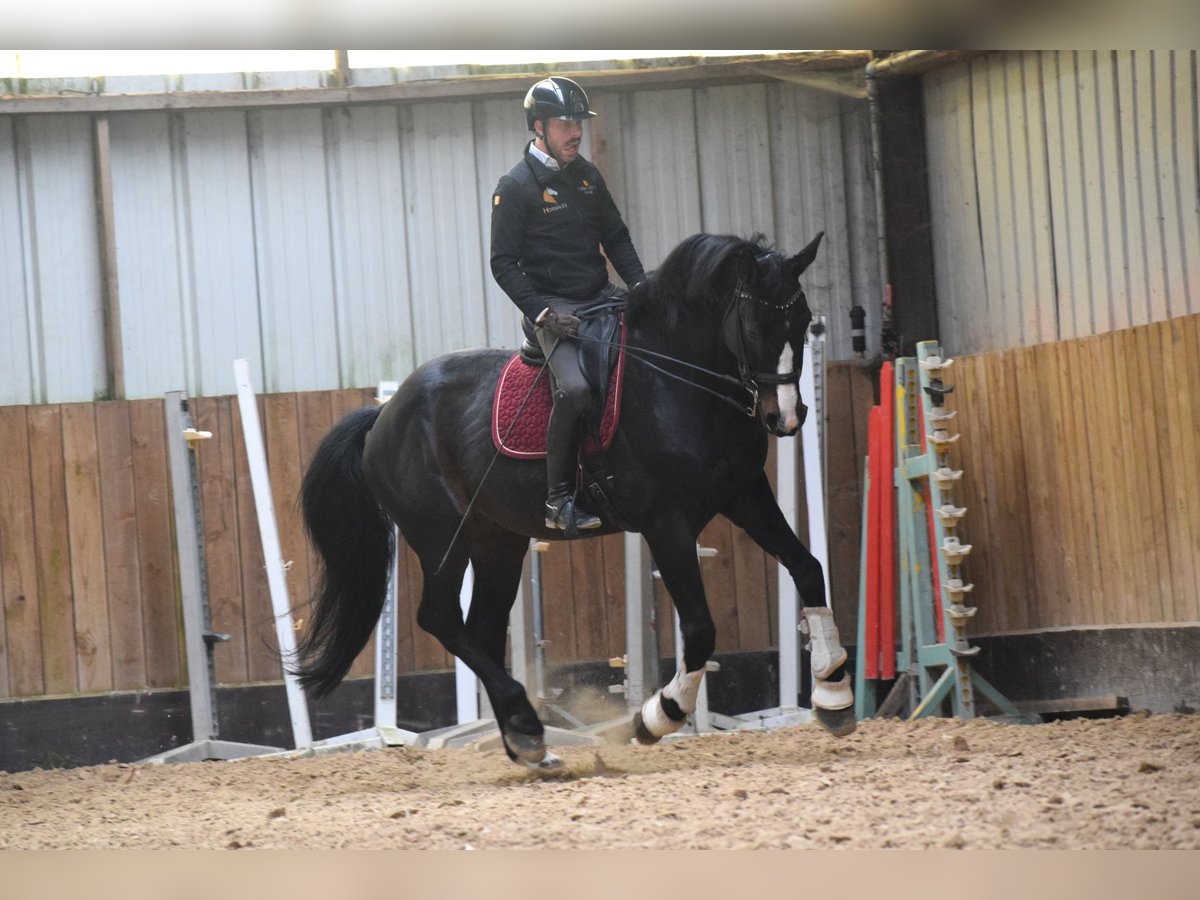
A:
[556,98]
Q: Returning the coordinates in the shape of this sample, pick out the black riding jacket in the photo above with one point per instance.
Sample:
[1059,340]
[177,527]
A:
[547,230]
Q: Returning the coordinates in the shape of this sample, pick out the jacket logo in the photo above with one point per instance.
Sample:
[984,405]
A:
[550,197]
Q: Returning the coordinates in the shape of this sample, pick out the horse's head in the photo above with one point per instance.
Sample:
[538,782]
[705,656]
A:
[765,328]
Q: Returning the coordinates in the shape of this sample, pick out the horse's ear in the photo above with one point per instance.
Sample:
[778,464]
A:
[805,257]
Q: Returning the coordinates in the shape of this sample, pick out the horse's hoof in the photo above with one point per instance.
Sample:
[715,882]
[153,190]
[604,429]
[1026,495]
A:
[838,722]
[549,763]
[526,749]
[641,733]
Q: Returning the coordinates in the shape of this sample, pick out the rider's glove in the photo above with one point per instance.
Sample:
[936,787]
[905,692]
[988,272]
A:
[560,324]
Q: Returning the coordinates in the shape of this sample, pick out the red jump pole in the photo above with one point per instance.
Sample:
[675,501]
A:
[887,523]
[874,463]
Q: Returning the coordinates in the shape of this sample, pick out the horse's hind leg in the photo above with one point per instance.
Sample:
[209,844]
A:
[757,512]
[498,559]
[479,642]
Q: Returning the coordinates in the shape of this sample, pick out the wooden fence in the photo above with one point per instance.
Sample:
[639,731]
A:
[1082,481]
[88,574]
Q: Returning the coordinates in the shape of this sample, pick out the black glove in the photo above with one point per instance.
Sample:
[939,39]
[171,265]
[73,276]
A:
[558,323]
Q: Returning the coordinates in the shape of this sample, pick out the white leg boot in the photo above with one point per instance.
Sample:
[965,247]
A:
[683,690]
[827,654]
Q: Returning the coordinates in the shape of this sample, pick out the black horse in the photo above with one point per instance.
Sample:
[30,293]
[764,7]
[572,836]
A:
[715,337]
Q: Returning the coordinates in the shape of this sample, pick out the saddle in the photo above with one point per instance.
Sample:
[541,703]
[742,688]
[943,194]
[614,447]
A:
[521,408]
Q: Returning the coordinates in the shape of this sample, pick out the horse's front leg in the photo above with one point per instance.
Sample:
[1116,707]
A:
[757,512]
[674,548]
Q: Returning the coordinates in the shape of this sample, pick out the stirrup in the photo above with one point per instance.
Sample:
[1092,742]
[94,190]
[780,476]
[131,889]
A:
[563,514]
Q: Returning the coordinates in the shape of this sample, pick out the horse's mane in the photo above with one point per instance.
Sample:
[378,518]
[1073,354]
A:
[687,278]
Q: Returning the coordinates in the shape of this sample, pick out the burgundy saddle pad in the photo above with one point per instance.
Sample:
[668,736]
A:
[520,431]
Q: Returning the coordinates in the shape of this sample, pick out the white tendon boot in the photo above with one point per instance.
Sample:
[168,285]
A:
[683,691]
[827,654]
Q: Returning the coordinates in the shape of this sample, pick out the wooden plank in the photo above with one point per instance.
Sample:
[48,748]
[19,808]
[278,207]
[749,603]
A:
[157,569]
[1102,434]
[1072,485]
[754,602]
[613,547]
[22,675]
[1038,445]
[590,621]
[119,511]
[1009,524]
[1190,425]
[262,655]
[281,434]
[978,451]
[1104,703]
[1154,425]
[558,605]
[720,577]
[1120,448]
[222,546]
[1137,526]
[1159,480]
[408,588]
[1063,532]
[1180,465]
[93,650]
[1075,382]
[53,549]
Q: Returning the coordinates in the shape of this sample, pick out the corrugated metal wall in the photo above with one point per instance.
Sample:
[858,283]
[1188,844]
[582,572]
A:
[1064,194]
[337,246]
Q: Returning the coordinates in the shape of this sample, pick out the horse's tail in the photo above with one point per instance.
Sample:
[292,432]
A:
[355,540]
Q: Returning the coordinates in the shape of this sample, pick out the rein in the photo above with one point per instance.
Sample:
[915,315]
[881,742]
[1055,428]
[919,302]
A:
[747,379]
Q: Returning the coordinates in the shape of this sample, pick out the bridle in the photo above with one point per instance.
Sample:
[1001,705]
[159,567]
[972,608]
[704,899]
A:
[749,379]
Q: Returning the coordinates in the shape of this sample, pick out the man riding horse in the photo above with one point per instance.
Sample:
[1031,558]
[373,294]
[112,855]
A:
[551,214]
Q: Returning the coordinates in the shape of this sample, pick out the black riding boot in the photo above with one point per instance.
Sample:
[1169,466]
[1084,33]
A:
[562,512]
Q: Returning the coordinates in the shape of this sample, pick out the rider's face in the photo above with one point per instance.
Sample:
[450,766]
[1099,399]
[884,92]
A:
[561,139]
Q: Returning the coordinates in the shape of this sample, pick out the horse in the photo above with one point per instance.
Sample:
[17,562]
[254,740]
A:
[714,336]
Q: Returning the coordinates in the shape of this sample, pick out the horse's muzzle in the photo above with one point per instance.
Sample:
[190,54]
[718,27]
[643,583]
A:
[781,421]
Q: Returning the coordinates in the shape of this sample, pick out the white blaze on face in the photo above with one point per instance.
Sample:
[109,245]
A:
[786,394]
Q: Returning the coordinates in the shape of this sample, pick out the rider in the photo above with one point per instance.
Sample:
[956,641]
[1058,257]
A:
[551,213]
